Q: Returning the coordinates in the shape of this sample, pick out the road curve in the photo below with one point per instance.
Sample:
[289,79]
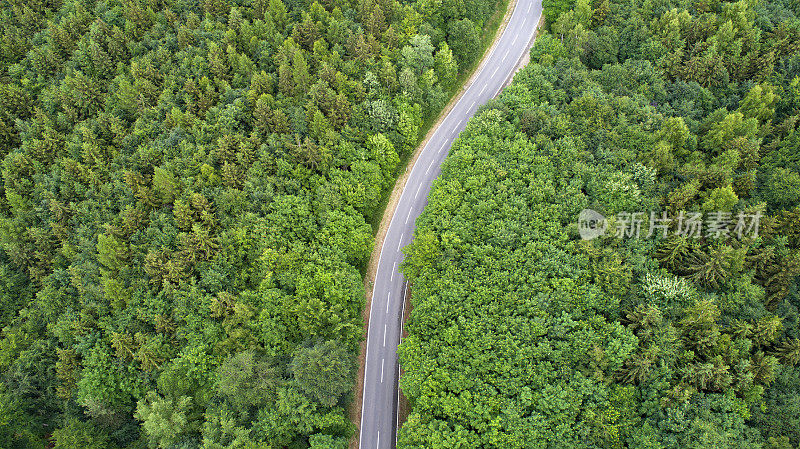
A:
[379,402]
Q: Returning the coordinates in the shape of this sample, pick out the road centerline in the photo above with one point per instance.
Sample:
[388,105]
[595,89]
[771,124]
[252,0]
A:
[377,395]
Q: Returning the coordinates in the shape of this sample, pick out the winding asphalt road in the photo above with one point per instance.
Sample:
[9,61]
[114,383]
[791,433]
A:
[380,396]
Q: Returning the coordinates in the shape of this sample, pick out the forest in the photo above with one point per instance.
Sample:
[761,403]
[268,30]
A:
[523,334]
[186,192]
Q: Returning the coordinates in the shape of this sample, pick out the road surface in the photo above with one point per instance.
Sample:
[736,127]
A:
[379,407]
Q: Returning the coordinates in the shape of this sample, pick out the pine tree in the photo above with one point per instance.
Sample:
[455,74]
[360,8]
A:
[789,351]
[376,22]
[285,83]
[599,14]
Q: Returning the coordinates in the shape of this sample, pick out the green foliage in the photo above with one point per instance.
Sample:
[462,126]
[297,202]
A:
[777,418]
[164,420]
[244,380]
[322,441]
[324,372]
[187,189]
[78,434]
[547,49]
[446,66]
[524,335]
[16,426]
[554,8]
[418,54]
[463,38]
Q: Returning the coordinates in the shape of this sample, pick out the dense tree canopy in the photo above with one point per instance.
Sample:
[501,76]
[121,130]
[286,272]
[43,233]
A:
[523,334]
[185,192]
